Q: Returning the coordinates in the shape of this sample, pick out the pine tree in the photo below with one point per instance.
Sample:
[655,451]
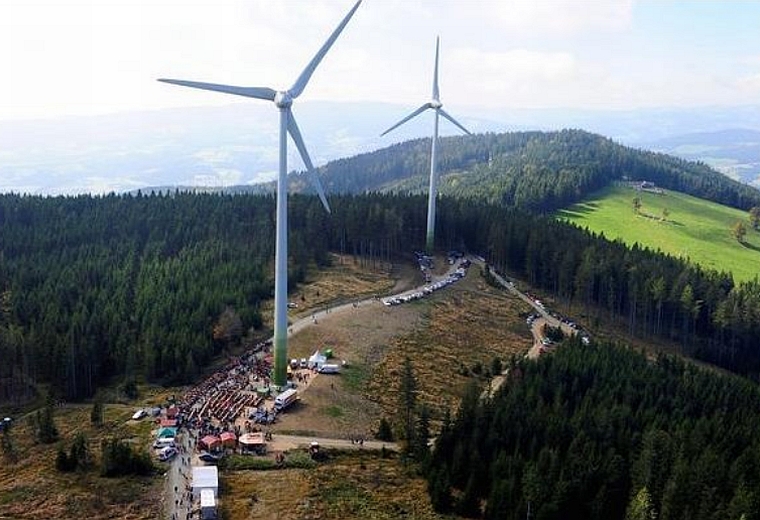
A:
[8,447]
[46,430]
[79,456]
[439,489]
[97,413]
[422,436]
[62,460]
[384,431]
[408,396]
[640,507]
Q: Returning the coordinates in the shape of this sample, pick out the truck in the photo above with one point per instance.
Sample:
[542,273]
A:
[285,399]
[208,505]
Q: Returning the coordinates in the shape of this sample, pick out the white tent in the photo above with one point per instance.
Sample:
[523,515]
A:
[317,360]
[205,477]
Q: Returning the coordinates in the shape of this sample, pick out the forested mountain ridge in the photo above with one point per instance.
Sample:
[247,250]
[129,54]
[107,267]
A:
[537,171]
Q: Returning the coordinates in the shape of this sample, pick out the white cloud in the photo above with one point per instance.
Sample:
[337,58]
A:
[560,16]
[749,83]
[99,56]
[517,77]
[519,64]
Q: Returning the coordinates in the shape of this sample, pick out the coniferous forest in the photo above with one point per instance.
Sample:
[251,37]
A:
[598,432]
[97,287]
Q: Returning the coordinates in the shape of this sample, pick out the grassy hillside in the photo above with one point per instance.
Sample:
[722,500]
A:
[695,228]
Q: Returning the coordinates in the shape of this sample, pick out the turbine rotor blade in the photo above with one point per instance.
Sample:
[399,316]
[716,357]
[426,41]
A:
[252,92]
[447,116]
[303,79]
[407,118]
[295,133]
[436,94]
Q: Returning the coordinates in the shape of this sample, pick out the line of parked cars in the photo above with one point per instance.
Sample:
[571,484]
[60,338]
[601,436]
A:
[425,291]
[430,288]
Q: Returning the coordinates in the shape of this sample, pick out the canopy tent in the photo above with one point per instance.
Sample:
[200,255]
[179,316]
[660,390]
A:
[252,440]
[317,360]
[168,423]
[166,432]
[228,439]
[205,477]
[211,442]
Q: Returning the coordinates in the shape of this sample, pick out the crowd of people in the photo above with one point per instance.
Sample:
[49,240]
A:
[230,391]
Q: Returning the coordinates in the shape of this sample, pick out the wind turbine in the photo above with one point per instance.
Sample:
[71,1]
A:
[437,106]
[283,99]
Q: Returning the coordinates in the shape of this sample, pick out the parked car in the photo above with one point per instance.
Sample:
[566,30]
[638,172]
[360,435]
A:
[139,414]
[164,442]
[167,453]
[209,457]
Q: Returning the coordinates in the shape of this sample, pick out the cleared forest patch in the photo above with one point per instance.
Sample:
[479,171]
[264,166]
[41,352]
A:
[32,487]
[347,486]
[464,328]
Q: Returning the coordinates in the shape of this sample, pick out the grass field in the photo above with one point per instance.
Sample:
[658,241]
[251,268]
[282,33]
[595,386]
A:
[695,229]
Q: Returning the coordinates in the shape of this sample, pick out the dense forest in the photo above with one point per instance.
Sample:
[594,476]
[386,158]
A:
[123,286]
[535,171]
[601,432]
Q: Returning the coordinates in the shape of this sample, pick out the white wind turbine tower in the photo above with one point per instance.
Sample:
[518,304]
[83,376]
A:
[283,99]
[436,105]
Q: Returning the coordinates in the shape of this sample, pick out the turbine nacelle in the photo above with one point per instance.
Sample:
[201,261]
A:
[435,104]
[283,99]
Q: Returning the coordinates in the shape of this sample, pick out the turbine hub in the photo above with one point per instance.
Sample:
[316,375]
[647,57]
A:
[435,104]
[283,99]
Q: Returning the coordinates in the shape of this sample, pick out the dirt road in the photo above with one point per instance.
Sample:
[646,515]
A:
[290,442]
[178,498]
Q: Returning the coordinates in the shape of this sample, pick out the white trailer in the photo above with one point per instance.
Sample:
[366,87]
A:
[330,369]
[285,399]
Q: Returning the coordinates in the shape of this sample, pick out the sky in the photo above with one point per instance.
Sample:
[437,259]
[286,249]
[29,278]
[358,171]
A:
[63,57]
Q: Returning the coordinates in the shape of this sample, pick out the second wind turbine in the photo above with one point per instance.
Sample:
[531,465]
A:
[437,106]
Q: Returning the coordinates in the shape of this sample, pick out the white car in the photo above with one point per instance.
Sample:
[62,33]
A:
[139,414]
[167,453]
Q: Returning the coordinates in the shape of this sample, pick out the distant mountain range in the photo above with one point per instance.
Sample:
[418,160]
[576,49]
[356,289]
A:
[235,145]
[735,152]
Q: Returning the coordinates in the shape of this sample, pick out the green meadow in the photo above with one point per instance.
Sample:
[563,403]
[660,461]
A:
[694,228]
